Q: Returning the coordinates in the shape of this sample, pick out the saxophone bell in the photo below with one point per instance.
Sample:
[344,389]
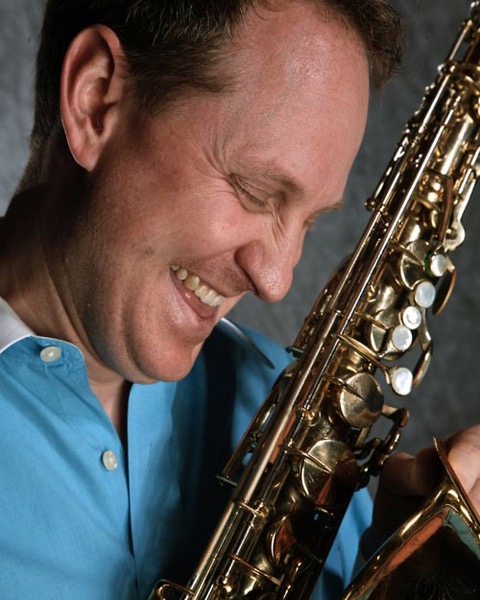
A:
[423,558]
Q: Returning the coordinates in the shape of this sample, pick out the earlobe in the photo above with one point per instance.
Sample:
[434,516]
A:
[92,85]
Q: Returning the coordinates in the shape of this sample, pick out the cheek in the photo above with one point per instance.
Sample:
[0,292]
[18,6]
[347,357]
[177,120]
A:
[207,223]
[159,201]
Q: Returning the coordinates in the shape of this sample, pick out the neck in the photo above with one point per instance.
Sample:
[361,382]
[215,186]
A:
[27,284]
[114,398]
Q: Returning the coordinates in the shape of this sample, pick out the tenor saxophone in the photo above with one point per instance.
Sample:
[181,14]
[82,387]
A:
[311,446]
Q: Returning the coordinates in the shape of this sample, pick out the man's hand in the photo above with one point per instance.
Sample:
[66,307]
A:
[464,455]
[406,480]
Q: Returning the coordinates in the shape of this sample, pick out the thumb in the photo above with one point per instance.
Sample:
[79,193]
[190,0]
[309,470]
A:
[464,457]
[406,475]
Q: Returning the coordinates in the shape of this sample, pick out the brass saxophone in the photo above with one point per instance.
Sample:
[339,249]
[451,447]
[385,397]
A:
[311,447]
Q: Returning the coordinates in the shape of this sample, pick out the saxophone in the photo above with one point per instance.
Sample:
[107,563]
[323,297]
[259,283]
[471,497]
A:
[311,446]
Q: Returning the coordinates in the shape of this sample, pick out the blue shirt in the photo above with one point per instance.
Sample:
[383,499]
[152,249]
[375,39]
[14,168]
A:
[83,518]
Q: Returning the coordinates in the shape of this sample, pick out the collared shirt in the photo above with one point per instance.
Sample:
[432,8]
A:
[85,518]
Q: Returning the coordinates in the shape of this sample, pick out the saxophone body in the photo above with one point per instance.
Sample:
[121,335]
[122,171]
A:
[314,442]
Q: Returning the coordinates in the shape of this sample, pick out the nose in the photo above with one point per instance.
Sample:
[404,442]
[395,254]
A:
[270,265]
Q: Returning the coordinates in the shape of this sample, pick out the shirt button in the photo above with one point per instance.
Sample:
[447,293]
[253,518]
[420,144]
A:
[109,460]
[50,354]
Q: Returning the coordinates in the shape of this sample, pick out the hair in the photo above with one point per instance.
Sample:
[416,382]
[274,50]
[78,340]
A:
[172,46]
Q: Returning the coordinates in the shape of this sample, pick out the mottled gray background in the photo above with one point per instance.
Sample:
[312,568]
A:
[448,398]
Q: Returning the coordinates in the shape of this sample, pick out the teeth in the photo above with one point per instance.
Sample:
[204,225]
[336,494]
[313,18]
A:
[182,274]
[204,293]
[192,282]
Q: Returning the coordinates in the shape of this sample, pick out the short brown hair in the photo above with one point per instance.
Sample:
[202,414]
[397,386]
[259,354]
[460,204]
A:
[174,45]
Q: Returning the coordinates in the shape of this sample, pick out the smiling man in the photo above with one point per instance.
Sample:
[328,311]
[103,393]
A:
[180,152]
[150,220]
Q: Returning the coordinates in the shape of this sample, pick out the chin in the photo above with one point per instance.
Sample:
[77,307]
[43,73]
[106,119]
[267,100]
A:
[173,367]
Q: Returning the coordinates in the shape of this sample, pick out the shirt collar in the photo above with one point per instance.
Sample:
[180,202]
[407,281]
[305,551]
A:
[12,328]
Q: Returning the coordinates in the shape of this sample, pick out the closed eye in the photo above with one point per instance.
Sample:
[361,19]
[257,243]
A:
[246,194]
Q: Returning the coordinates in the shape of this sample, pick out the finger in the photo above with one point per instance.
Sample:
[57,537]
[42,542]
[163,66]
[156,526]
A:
[406,475]
[464,456]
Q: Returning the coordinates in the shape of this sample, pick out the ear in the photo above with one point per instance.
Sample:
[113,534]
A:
[92,85]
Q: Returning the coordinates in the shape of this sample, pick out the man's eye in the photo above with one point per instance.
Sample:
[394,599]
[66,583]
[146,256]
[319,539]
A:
[251,198]
[246,194]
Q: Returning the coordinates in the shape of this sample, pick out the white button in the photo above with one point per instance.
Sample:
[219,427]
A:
[50,354]
[109,460]
[402,338]
[425,294]
[401,380]
[438,265]
[412,317]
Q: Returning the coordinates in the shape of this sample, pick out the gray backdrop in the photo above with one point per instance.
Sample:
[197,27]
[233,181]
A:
[448,398]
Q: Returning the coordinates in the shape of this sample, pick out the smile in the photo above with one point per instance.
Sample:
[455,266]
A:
[204,293]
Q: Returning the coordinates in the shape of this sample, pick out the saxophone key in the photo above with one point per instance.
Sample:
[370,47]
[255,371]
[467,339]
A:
[360,401]
[327,472]
[401,380]
[411,317]
[438,264]
[424,294]
[401,338]
[391,332]
[413,263]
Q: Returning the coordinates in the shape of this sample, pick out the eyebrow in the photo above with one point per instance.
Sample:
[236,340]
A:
[311,220]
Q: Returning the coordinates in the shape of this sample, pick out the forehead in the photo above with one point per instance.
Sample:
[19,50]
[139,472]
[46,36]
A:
[291,50]
[294,34]
[301,83]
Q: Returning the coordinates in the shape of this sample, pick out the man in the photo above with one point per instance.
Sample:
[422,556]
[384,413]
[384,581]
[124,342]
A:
[179,154]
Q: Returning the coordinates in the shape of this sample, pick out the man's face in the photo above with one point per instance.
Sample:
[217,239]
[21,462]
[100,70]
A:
[211,199]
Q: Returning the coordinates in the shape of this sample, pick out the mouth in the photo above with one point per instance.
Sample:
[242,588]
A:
[199,288]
